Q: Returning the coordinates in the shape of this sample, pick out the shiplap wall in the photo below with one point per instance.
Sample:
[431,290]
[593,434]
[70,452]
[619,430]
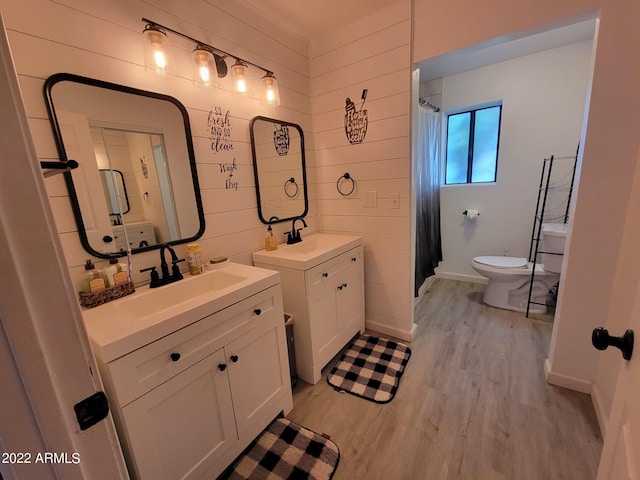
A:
[373,52]
[103,40]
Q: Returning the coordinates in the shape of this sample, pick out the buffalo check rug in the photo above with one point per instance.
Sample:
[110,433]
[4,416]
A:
[370,368]
[286,450]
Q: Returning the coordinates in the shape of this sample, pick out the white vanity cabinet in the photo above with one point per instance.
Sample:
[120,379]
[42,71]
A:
[327,304]
[189,402]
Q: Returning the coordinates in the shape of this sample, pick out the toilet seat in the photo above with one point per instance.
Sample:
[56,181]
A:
[502,262]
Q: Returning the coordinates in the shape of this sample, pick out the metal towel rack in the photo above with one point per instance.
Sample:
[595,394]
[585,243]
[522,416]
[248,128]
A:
[54,167]
[346,176]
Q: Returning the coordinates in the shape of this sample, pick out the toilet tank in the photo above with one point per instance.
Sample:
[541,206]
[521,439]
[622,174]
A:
[553,239]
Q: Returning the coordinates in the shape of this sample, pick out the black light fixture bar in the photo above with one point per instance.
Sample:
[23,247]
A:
[218,53]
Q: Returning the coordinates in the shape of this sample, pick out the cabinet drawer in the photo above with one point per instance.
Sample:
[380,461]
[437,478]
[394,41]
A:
[145,368]
[323,276]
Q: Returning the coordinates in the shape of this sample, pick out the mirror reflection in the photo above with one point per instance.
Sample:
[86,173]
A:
[114,187]
[279,167]
[136,185]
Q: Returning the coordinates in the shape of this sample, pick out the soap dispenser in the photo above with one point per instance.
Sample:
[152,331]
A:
[93,279]
[116,273]
[270,241]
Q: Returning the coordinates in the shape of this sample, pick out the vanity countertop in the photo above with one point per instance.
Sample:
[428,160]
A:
[313,250]
[121,326]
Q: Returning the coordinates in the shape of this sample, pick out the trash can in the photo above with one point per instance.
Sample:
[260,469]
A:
[288,324]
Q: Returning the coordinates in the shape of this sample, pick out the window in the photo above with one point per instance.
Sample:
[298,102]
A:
[472,145]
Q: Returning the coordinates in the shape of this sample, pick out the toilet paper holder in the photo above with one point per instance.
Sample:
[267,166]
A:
[466,211]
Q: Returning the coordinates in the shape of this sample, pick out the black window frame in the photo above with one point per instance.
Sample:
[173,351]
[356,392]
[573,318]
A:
[472,124]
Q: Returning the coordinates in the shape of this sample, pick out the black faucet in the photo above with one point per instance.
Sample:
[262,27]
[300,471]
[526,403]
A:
[294,235]
[157,280]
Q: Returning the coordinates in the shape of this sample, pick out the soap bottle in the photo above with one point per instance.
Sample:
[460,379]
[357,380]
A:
[270,241]
[93,279]
[194,259]
[116,273]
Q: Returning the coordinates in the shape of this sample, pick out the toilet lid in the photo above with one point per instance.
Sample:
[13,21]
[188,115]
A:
[502,262]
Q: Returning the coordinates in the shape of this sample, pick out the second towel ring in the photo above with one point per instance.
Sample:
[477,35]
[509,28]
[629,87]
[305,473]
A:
[346,176]
[291,181]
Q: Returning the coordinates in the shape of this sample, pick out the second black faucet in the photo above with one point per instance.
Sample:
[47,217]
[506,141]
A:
[294,235]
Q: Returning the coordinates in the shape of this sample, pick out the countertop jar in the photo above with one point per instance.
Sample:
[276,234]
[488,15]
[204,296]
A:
[195,259]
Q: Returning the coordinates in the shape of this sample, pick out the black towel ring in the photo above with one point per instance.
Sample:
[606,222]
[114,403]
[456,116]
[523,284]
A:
[346,176]
[291,181]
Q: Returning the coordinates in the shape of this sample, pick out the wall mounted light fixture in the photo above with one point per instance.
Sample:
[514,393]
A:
[239,77]
[208,62]
[156,54]
[204,67]
[271,93]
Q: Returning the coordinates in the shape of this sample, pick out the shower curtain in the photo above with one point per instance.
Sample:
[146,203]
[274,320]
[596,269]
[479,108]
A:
[428,244]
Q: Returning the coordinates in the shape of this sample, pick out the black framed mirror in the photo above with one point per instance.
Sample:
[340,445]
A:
[144,135]
[279,168]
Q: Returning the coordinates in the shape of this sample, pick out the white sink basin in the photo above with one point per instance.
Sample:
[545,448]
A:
[121,326]
[155,300]
[313,250]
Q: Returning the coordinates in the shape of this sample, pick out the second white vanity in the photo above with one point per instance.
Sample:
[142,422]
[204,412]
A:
[194,370]
[323,289]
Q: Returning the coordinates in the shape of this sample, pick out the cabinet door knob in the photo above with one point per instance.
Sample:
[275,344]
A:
[344,285]
[340,287]
[257,311]
[222,367]
[175,356]
[353,259]
[325,274]
[234,358]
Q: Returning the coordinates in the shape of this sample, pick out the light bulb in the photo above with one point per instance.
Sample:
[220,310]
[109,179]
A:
[156,56]
[238,71]
[160,59]
[204,67]
[204,74]
[271,94]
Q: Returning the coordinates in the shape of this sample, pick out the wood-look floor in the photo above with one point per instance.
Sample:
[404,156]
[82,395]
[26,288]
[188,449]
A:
[473,403]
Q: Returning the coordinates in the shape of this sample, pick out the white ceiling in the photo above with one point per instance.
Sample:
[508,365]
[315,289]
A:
[309,19]
[499,51]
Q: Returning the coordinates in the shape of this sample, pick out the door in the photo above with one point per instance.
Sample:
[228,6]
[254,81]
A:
[258,371]
[325,325]
[78,143]
[621,450]
[41,319]
[352,298]
[181,428]
[620,457]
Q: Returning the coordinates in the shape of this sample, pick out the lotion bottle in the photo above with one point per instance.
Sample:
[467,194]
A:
[270,242]
[93,279]
[116,273]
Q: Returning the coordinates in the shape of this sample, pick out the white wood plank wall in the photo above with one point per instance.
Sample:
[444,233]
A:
[373,52]
[103,40]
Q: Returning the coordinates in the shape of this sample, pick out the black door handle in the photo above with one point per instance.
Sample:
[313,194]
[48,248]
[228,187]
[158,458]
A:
[601,340]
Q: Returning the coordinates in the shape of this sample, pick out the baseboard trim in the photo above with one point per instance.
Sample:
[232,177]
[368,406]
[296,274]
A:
[463,277]
[603,419]
[405,335]
[565,381]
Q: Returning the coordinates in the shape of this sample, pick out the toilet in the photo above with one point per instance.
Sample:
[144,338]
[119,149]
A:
[509,280]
